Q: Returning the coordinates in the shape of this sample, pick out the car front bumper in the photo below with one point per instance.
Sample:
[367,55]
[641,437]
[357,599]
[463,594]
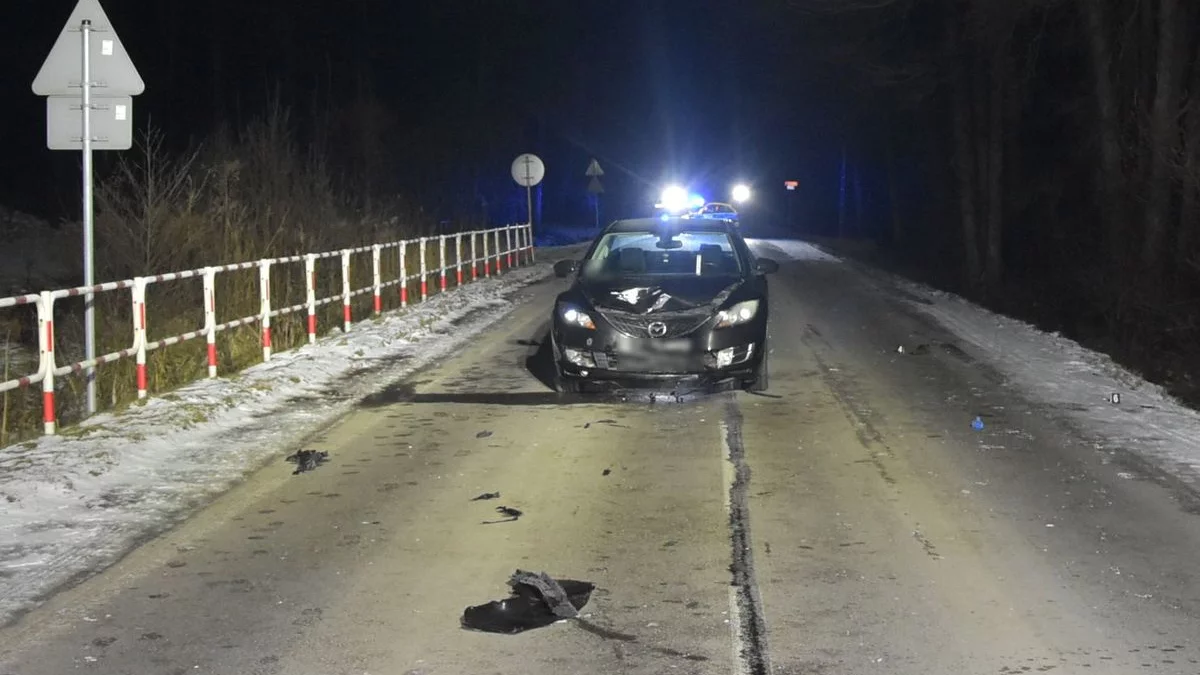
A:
[706,358]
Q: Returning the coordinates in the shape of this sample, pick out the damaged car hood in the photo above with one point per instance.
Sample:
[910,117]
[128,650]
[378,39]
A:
[660,295]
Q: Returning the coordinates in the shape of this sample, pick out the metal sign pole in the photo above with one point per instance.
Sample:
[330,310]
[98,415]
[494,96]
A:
[89,311]
[529,204]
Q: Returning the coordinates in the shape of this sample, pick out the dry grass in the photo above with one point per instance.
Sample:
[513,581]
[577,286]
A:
[258,195]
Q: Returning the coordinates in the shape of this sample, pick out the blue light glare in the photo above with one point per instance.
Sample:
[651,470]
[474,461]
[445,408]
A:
[665,217]
[696,201]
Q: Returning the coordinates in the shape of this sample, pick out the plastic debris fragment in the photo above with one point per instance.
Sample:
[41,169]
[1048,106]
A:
[307,460]
[537,600]
[510,514]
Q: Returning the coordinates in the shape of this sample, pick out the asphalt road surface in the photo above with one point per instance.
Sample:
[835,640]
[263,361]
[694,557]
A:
[851,521]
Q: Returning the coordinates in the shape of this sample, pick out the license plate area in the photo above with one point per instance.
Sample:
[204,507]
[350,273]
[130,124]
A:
[663,346]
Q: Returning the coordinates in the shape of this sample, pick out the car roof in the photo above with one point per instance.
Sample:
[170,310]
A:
[655,224]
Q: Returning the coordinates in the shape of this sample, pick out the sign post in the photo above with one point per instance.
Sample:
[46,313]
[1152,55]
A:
[594,187]
[528,170]
[88,81]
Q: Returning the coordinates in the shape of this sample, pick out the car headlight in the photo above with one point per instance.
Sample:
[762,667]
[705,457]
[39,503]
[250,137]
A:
[740,313]
[576,317]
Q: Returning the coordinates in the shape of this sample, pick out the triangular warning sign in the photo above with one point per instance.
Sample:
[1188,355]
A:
[594,169]
[594,186]
[112,71]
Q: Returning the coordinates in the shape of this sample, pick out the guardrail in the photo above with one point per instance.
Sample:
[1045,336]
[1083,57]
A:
[489,251]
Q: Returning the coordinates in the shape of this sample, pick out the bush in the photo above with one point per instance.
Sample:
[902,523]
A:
[243,197]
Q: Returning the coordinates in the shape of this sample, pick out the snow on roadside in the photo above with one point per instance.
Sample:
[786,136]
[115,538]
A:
[71,505]
[796,250]
[1063,375]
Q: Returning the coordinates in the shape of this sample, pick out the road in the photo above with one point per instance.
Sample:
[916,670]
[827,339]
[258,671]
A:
[851,521]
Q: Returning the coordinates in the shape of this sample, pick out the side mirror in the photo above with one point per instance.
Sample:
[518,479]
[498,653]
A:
[565,268]
[766,266]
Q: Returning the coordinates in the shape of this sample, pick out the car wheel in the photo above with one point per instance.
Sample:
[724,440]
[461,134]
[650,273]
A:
[761,373]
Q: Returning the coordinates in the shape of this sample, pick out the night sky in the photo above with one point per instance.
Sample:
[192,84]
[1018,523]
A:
[689,90]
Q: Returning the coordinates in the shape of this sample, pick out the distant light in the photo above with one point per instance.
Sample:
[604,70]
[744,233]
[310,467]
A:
[741,193]
[791,184]
[674,199]
[665,217]
[696,201]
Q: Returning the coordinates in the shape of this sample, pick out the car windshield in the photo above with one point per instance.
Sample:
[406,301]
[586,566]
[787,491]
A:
[639,254]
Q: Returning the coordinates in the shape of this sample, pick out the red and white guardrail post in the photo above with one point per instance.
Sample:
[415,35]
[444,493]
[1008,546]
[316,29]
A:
[210,318]
[458,257]
[499,253]
[377,278]
[442,262]
[403,276]
[346,316]
[424,272]
[529,242]
[264,300]
[310,295]
[139,332]
[45,312]
[508,243]
[474,257]
[487,261]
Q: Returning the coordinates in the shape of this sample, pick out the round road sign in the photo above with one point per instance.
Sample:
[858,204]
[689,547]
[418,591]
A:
[528,170]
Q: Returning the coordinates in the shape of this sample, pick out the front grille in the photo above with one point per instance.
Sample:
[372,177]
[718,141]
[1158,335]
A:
[638,325]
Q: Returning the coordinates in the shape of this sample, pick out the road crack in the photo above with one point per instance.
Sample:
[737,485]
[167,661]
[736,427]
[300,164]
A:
[750,627]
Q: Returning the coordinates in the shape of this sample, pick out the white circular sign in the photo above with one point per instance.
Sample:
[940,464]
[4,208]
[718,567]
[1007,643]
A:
[528,170]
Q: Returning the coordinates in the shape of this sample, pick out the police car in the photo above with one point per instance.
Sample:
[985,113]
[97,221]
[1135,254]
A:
[715,211]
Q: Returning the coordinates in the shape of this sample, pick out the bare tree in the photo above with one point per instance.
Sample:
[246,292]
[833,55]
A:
[1163,138]
[1108,172]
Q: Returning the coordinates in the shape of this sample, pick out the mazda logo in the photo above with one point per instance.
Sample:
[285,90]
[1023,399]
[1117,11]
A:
[657,329]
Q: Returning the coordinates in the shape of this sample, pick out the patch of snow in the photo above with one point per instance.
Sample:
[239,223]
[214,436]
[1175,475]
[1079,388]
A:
[73,504]
[797,250]
[1063,375]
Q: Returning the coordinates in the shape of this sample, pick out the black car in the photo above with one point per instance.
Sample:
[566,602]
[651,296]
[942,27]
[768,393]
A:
[663,302]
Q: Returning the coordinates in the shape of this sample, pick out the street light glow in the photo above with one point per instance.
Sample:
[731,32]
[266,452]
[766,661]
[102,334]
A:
[741,193]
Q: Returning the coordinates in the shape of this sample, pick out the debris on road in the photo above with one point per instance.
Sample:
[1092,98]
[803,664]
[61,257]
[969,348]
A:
[1115,398]
[537,600]
[510,514]
[486,496]
[607,471]
[483,434]
[307,460]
